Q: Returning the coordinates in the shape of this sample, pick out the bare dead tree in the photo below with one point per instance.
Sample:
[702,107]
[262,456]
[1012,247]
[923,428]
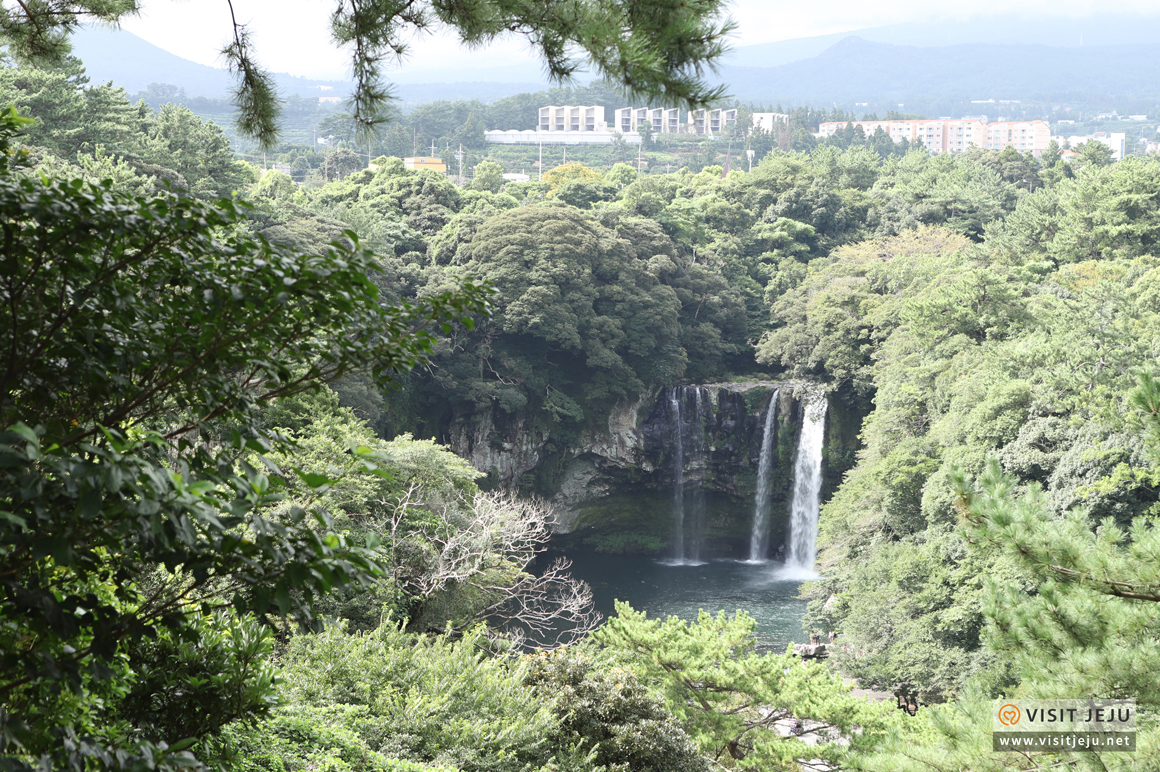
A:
[553,609]
[488,543]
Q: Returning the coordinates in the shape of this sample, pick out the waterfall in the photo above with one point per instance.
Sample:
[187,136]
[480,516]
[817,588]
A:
[697,448]
[807,487]
[688,510]
[759,539]
[678,478]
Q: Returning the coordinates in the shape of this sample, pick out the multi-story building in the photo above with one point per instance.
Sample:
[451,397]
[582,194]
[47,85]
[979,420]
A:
[566,125]
[661,120]
[766,121]
[710,122]
[1116,140]
[948,135]
[573,118]
[532,137]
[1024,136]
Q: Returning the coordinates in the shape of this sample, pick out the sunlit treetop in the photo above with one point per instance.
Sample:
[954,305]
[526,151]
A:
[657,50]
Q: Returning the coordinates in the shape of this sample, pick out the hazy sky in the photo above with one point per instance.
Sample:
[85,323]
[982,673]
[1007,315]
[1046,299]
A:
[292,35]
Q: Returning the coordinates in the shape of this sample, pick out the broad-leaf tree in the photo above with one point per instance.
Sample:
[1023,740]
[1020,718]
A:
[141,339]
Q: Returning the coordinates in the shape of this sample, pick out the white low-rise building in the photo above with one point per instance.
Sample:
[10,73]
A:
[766,121]
[662,120]
[710,122]
[531,137]
[1116,140]
[577,118]
[948,135]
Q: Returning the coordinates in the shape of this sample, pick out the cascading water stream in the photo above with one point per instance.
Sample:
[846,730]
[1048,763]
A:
[807,491]
[697,448]
[759,539]
[678,478]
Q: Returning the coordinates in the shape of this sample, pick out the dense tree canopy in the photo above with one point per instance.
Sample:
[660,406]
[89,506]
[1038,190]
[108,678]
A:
[202,462]
[142,341]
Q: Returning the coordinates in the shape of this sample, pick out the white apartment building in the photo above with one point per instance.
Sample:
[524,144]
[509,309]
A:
[573,118]
[563,125]
[668,120]
[532,137]
[661,120]
[710,122]
[1116,140]
[766,121]
[947,135]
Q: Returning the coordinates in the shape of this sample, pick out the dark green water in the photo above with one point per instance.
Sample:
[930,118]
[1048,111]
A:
[682,590]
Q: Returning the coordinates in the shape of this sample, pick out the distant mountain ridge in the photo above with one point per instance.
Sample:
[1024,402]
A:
[855,69]
[830,68]
[135,63]
[1116,30]
[132,62]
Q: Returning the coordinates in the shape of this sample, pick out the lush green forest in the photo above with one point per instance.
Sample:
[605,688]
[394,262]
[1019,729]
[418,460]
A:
[227,542]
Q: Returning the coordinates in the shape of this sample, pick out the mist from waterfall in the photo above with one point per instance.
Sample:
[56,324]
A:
[807,487]
[759,539]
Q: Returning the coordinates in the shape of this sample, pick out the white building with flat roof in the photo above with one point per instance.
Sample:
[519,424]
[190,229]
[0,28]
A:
[532,137]
[662,120]
[948,135]
[766,121]
[710,122]
[1116,140]
[584,118]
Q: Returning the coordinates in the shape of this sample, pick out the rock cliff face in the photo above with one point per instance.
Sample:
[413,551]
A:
[614,488]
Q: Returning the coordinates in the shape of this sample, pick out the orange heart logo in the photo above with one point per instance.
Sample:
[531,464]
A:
[1009,715]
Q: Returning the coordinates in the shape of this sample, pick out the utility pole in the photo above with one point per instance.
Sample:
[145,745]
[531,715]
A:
[749,152]
[540,163]
[639,145]
[459,158]
[432,148]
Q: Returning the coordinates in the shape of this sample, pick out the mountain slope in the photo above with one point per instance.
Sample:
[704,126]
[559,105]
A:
[996,30]
[130,61]
[855,69]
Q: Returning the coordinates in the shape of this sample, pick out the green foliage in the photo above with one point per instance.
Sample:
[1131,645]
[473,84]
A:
[580,321]
[1083,626]
[143,338]
[609,710]
[308,737]
[71,115]
[1011,351]
[440,701]
[488,177]
[568,173]
[729,698]
[831,323]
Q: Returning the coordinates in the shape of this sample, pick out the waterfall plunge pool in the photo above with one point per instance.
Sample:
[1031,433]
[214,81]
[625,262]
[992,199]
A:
[663,589]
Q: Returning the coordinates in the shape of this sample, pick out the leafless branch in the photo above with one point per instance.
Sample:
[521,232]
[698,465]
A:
[488,542]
